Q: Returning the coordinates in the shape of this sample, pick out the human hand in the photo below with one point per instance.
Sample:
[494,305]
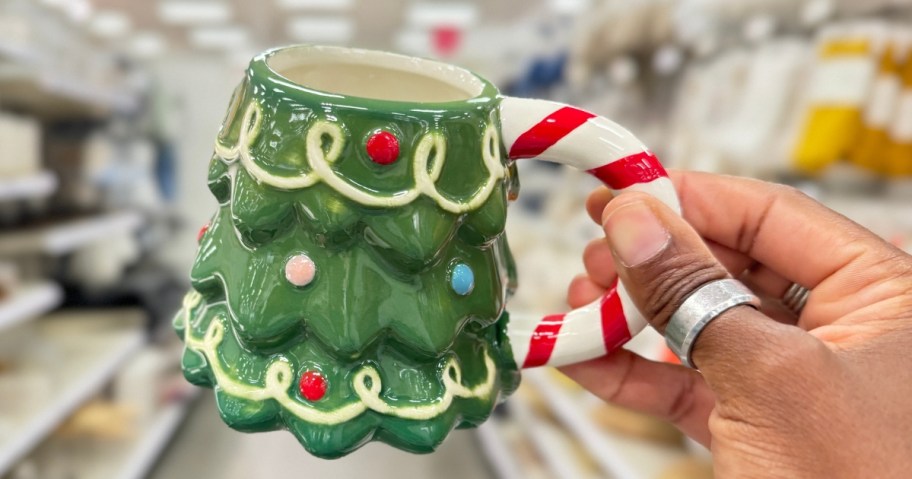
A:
[826,394]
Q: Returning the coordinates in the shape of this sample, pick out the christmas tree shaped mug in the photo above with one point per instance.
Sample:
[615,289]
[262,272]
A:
[352,284]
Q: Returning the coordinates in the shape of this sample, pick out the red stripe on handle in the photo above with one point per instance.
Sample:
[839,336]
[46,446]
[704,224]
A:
[614,323]
[639,168]
[541,345]
[547,132]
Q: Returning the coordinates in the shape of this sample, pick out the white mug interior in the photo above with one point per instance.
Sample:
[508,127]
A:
[373,74]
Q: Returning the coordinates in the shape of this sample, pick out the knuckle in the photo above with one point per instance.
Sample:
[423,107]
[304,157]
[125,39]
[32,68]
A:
[898,264]
[673,280]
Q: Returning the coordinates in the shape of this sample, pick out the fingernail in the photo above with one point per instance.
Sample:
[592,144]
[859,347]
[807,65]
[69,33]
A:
[635,233]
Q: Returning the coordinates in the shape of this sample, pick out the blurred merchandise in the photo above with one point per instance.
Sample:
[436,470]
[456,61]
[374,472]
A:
[689,468]
[9,280]
[102,263]
[897,147]
[101,420]
[630,423]
[871,148]
[21,140]
[836,93]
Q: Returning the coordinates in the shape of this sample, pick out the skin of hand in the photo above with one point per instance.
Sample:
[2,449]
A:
[827,394]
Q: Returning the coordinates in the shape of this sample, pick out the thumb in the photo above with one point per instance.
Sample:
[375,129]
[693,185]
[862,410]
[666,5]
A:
[661,261]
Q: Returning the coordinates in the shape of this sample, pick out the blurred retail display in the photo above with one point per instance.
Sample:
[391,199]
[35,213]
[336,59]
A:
[108,108]
[808,93]
[76,193]
[55,69]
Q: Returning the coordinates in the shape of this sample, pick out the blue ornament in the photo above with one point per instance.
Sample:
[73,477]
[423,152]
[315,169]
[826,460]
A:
[462,279]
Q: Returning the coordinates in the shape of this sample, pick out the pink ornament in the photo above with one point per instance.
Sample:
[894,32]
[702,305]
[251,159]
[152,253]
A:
[382,148]
[300,270]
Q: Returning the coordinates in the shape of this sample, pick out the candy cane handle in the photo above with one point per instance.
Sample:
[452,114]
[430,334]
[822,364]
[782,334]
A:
[550,131]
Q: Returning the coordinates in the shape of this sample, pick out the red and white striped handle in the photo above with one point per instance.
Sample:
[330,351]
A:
[563,134]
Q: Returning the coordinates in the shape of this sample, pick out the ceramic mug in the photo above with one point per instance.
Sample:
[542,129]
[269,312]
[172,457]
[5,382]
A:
[351,286]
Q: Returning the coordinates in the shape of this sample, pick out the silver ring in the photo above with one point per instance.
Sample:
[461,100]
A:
[795,298]
[701,307]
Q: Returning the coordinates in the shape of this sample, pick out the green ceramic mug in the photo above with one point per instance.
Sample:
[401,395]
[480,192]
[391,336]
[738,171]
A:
[352,284]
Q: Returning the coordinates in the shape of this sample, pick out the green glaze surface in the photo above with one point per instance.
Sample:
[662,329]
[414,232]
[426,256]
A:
[380,302]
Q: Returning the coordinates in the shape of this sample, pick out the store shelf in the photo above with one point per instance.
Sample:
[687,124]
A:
[620,457]
[551,444]
[28,302]
[494,445]
[59,96]
[100,355]
[67,236]
[131,458]
[38,185]
[141,459]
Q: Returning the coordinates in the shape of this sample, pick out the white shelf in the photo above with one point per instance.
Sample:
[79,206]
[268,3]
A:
[38,185]
[142,458]
[494,445]
[29,302]
[552,445]
[618,456]
[92,359]
[135,457]
[55,95]
[67,236]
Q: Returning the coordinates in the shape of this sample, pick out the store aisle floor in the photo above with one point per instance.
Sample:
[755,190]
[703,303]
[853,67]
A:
[206,448]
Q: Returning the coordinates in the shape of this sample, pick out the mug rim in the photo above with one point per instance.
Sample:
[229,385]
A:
[482,91]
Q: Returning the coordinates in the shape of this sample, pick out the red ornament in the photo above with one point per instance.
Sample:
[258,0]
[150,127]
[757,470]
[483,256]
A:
[312,385]
[382,148]
[202,231]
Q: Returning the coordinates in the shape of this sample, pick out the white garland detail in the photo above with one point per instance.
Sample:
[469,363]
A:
[320,161]
[279,379]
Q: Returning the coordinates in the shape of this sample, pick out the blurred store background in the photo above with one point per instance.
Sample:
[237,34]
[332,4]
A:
[108,111]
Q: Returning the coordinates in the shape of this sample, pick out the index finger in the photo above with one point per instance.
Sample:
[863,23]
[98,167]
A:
[784,229]
[780,227]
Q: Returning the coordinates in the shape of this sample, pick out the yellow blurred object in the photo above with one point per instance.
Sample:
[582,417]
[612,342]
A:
[100,419]
[565,382]
[836,92]
[899,150]
[582,458]
[900,160]
[633,424]
[871,148]
[690,468]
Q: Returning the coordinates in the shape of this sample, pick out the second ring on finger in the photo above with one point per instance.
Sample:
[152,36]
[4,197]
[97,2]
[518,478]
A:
[774,288]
